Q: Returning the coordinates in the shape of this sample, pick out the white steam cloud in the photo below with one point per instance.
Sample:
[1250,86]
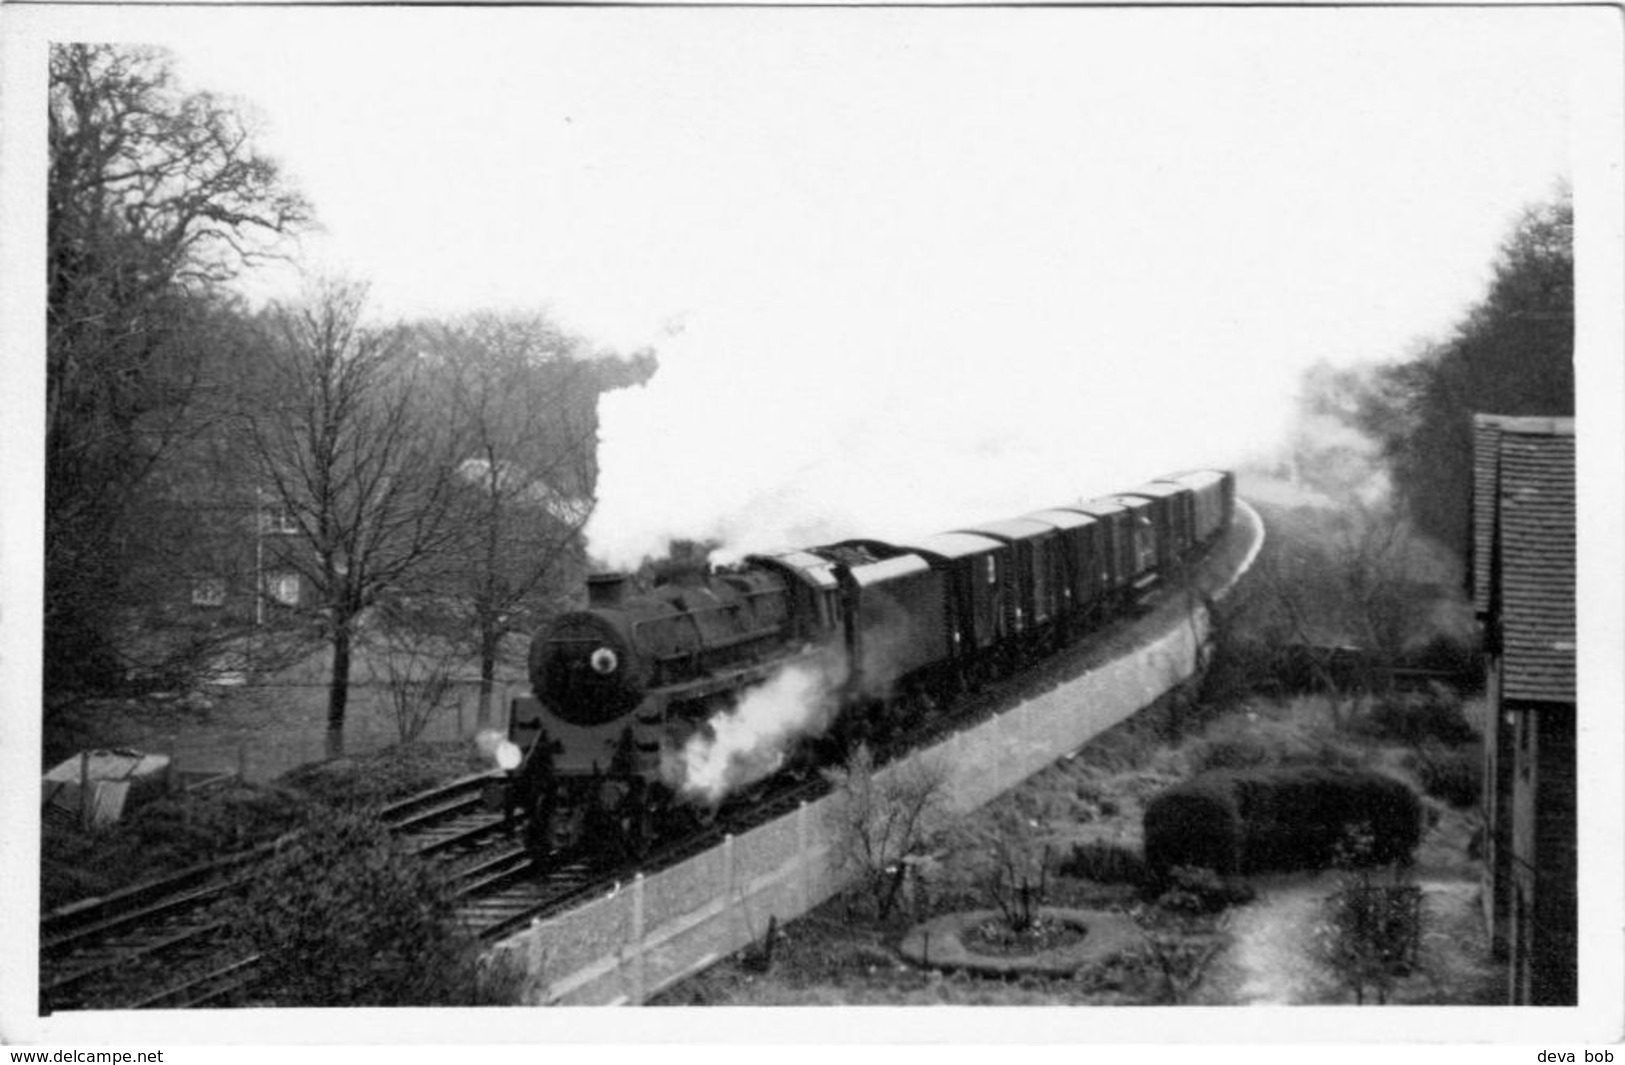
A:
[904,433]
[751,740]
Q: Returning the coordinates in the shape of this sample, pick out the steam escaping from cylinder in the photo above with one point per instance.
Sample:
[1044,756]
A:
[503,752]
[751,739]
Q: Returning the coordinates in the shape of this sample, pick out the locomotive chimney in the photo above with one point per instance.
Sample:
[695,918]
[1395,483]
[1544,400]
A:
[606,590]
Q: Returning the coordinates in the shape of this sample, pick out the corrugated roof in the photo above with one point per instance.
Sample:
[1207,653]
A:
[1533,571]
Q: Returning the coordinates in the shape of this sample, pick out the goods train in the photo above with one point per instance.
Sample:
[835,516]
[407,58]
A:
[622,688]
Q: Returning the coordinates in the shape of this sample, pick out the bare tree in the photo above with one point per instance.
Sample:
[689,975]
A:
[155,197]
[1343,577]
[416,666]
[363,471]
[525,394]
[882,823]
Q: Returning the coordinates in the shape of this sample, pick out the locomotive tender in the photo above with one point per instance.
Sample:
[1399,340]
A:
[621,687]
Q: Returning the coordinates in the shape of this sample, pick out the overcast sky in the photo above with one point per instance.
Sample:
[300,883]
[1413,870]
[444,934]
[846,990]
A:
[906,270]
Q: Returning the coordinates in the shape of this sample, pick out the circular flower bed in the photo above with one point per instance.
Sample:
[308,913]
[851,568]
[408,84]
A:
[1062,941]
[997,938]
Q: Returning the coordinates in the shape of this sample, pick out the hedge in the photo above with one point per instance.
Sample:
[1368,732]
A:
[1288,817]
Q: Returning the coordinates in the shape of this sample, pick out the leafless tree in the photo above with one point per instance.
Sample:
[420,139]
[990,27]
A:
[155,197]
[880,823]
[415,665]
[525,394]
[357,462]
[1344,577]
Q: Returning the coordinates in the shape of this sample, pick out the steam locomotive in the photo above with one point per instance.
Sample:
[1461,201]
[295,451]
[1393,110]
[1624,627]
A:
[887,631]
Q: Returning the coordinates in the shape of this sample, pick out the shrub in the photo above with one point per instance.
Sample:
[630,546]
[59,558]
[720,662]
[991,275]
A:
[1230,752]
[1370,933]
[1461,660]
[1181,929]
[1264,738]
[1281,818]
[1104,863]
[341,916]
[1453,775]
[1197,823]
[1415,719]
[1200,891]
[882,819]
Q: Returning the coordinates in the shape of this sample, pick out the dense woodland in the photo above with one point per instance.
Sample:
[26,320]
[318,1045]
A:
[1511,353]
[296,470]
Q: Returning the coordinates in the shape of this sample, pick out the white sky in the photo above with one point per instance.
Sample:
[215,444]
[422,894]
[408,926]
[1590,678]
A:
[909,269]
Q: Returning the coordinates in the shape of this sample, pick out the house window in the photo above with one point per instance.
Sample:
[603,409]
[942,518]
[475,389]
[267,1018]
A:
[279,519]
[209,592]
[284,588]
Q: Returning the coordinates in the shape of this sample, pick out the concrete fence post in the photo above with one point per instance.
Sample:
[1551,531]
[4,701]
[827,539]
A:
[635,944]
[534,961]
[729,888]
[803,860]
[84,789]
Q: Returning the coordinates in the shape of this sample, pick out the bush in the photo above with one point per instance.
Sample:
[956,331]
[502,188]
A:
[1262,739]
[1230,752]
[1104,863]
[1246,821]
[1370,933]
[1200,892]
[342,916]
[1454,775]
[1434,717]
[882,820]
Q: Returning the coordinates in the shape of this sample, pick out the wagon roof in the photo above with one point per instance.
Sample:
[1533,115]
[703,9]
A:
[953,545]
[1100,508]
[1158,489]
[1132,501]
[890,569]
[1061,519]
[1195,478]
[1011,529]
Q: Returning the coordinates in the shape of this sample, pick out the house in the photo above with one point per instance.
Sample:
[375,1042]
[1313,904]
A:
[1523,580]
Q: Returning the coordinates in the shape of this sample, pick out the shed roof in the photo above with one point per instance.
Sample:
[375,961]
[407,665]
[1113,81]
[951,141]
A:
[1530,570]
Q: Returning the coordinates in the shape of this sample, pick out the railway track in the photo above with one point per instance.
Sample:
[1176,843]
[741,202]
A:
[169,933]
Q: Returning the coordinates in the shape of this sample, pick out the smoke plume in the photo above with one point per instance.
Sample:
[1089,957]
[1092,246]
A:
[750,740]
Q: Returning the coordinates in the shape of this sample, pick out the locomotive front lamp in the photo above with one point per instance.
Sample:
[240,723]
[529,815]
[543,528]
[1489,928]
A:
[508,755]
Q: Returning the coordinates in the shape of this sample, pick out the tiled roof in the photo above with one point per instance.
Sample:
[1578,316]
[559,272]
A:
[1486,460]
[1532,575]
